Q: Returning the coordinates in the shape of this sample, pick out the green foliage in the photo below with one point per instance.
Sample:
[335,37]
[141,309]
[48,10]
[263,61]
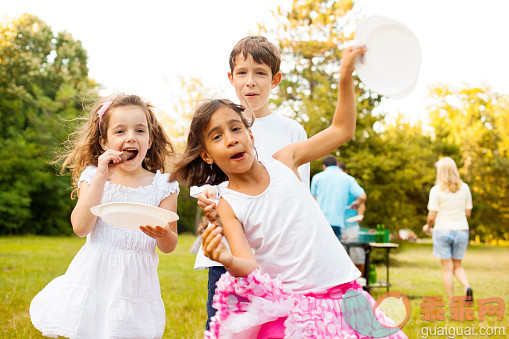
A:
[42,77]
[396,171]
[187,210]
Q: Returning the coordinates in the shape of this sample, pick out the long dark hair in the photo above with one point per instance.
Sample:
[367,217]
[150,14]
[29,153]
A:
[191,169]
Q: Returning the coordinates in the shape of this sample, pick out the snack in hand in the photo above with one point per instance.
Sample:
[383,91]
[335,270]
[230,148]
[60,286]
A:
[126,155]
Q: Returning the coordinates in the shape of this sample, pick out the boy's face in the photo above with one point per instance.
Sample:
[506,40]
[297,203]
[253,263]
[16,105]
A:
[253,82]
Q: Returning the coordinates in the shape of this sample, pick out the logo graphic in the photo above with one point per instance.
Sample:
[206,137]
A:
[396,306]
[359,314]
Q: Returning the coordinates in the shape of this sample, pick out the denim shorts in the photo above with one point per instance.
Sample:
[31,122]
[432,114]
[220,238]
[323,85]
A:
[448,244]
[215,273]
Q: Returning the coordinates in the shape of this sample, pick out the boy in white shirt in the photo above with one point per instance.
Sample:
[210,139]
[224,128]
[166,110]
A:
[254,72]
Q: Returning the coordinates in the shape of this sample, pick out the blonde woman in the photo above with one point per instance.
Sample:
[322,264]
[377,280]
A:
[450,204]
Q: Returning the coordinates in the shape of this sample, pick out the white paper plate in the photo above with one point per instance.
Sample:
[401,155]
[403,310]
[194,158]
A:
[355,218]
[132,215]
[392,61]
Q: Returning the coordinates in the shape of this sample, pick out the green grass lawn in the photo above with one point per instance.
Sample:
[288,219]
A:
[28,263]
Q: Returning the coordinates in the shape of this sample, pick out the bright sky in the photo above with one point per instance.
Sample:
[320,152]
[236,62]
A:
[141,47]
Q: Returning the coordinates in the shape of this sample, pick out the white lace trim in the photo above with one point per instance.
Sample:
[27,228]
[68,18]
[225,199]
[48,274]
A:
[163,186]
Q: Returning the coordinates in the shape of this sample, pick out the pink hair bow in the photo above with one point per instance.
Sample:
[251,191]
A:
[103,109]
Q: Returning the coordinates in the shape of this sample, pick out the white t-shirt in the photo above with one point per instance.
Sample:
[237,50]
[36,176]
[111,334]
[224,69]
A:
[450,207]
[271,133]
[289,234]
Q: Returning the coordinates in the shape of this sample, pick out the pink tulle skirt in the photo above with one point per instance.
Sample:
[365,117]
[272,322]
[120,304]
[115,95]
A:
[257,306]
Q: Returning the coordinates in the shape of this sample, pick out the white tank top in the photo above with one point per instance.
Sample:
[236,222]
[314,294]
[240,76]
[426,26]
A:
[289,233]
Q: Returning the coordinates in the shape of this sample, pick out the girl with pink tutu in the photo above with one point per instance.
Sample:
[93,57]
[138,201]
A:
[111,288]
[287,273]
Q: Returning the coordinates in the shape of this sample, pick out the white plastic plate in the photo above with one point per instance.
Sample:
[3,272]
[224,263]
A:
[133,215]
[355,218]
[392,61]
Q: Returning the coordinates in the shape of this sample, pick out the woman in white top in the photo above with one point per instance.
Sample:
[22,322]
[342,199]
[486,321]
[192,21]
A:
[450,204]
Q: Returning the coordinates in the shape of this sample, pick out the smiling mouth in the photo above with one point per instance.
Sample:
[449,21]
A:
[238,155]
[251,95]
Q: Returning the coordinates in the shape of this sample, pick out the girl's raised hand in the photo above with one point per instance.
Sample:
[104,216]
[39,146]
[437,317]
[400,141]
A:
[207,197]
[108,160]
[213,247]
[348,59]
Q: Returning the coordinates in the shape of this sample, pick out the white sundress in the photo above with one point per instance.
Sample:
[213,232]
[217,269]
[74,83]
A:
[111,288]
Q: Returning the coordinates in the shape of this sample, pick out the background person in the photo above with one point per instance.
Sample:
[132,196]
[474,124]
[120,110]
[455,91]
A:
[331,189]
[450,204]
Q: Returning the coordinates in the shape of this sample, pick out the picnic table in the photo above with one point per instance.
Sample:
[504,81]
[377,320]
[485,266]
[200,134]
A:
[368,247]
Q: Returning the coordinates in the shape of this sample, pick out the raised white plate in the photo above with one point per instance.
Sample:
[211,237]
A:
[133,215]
[392,61]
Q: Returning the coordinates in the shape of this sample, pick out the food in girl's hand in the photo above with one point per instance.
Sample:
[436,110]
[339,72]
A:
[126,155]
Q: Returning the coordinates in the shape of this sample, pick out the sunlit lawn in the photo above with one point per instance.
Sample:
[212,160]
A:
[27,264]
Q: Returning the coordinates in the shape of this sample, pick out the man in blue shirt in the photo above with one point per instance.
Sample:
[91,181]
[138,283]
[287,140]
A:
[355,207]
[331,189]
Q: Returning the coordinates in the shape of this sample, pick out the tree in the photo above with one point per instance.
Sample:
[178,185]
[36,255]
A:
[42,78]
[397,173]
[474,123]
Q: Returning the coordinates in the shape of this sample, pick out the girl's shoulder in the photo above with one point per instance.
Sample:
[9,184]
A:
[87,175]
[164,186]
